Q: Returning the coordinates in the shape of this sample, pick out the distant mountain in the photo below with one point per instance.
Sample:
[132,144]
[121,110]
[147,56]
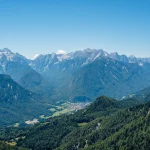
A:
[13,64]
[78,76]
[17,67]
[16,103]
[109,77]
[87,74]
[42,63]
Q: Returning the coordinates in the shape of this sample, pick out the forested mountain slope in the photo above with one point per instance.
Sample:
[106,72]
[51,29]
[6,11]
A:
[105,124]
[16,103]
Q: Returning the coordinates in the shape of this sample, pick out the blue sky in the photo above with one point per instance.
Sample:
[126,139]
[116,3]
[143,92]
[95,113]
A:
[45,26]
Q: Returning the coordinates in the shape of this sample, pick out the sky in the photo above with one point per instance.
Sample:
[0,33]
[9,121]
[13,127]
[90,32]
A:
[32,27]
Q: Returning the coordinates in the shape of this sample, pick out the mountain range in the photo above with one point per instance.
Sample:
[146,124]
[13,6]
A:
[17,67]
[78,76]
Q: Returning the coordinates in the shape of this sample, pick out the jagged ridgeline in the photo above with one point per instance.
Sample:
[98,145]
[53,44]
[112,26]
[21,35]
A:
[17,66]
[77,76]
[105,124]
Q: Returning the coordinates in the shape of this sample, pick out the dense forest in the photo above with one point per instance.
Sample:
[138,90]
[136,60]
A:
[105,124]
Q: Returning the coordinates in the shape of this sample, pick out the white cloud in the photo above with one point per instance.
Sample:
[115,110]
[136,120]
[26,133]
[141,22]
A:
[61,52]
[35,56]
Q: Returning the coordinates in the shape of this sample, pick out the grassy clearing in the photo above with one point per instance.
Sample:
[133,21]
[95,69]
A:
[16,125]
[43,117]
[11,143]
[61,112]
[82,124]
[52,109]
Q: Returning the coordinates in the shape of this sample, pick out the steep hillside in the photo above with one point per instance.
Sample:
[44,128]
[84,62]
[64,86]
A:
[17,67]
[68,130]
[105,124]
[16,103]
[127,129]
[50,134]
[103,104]
[36,83]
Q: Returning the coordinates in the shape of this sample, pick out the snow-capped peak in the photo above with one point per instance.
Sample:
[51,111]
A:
[6,53]
[5,50]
